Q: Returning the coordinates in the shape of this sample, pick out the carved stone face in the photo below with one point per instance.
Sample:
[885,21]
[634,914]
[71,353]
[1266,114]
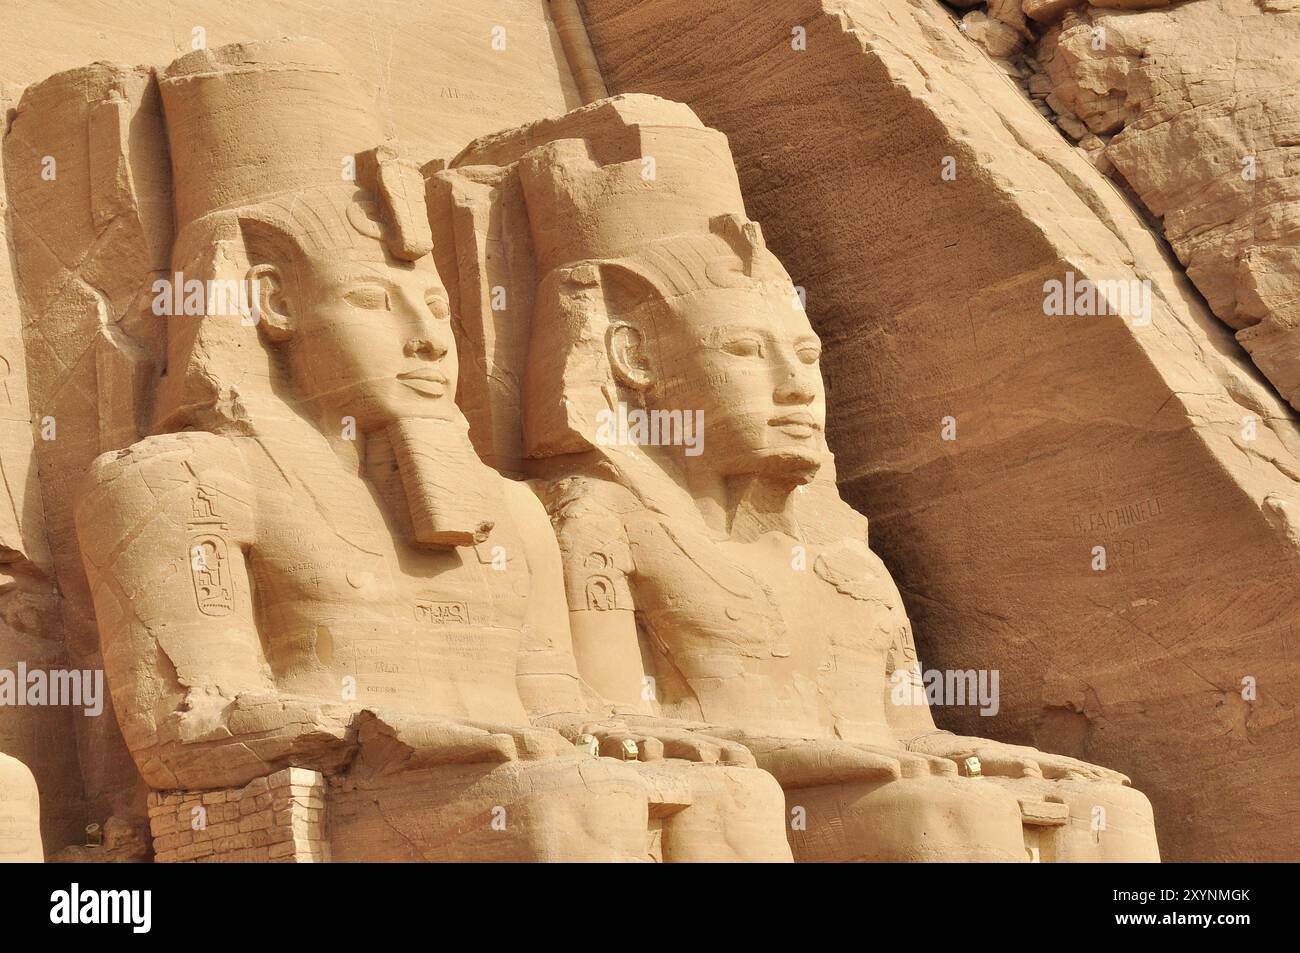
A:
[371,337]
[748,358]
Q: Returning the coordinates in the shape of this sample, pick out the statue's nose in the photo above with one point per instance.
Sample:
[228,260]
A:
[794,386]
[423,347]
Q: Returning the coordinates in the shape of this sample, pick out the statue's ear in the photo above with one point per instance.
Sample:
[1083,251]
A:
[272,312]
[265,241]
[627,357]
[629,300]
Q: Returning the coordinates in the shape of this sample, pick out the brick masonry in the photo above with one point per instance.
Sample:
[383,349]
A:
[278,818]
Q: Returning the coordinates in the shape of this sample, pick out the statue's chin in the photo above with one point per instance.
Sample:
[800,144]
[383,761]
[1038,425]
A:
[788,465]
[385,416]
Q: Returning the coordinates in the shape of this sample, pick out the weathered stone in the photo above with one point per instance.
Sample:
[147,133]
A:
[291,527]
[1200,105]
[929,295]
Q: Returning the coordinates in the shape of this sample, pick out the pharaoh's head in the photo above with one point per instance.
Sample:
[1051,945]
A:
[280,188]
[325,232]
[713,323]
[363,333]
[658,295]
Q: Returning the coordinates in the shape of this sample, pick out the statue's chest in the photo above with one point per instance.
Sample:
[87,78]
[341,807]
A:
[352,569]
[773,596]
[828,598]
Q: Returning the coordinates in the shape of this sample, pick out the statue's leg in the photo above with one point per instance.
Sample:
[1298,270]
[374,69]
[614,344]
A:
[557,809]
[911,819]
[1085,821]
[715,813]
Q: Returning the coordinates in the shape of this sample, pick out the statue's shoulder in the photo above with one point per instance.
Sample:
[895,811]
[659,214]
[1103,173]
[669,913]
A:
[587,500]
[826,518]
[190,456]
[526,510]
[170,479]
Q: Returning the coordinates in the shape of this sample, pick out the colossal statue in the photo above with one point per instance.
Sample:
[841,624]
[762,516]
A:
[306,567]
[673,413]
[20,814]
[315,599]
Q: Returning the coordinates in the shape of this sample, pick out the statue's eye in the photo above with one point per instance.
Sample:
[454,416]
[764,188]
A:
[438,305]
[368,298]
[809,354]
[744,347]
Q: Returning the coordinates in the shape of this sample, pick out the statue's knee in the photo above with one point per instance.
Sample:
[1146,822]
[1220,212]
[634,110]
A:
[20,814]
[561,809]
[585,810]
[909,819]
[1088,821]
[715,813]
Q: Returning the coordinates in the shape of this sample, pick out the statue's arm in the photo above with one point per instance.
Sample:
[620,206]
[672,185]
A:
[909,715]
[173,599]
[912,722]
[592,574]
[907,710]
[597,564]
[548,672]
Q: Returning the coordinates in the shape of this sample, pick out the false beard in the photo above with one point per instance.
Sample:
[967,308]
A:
[452,497]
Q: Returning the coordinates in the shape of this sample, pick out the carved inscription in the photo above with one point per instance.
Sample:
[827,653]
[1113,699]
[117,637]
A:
[209,556]
[442,613]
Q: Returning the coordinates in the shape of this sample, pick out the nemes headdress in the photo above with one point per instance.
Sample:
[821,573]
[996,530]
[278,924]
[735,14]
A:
[271,142]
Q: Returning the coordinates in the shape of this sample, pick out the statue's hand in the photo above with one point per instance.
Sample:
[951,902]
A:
[662,738]
[654,738]
[811,762]
[531,742]
[1013,761]
[390,741]
[222,741]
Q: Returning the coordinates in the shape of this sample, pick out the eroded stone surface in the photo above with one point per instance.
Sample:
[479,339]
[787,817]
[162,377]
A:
[20,813]
[713,574]
[1195,108]
[31,624]
[1155,442]
[334,629]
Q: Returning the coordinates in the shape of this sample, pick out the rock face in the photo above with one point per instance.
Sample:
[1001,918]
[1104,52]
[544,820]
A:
[31,622]
[1195,108]
[1198,107]
[485,65]
[324,342]
[923,204]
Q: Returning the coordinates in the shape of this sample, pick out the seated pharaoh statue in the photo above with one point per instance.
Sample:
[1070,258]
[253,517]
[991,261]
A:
[306,566]
[673,417]
[20,814]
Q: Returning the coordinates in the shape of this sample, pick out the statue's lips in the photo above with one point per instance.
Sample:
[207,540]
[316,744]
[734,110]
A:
[430,383]
[796,425]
